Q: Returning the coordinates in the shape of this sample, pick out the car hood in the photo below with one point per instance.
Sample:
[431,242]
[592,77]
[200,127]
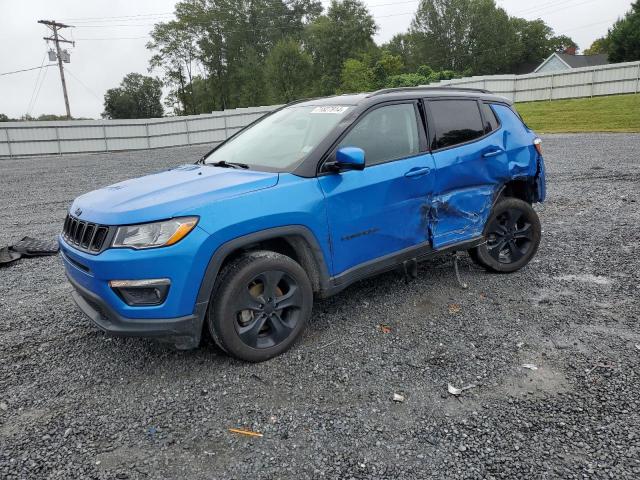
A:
[167,194]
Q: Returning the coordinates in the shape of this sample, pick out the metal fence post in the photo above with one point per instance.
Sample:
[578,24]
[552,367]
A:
[146,129]
[224,117]
[551,88]
[58,140]
[186,124]
[593,81]
[6,132]
[104,134]
[637,81]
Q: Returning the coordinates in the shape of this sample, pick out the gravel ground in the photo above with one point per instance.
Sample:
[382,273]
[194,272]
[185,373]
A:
[77,404]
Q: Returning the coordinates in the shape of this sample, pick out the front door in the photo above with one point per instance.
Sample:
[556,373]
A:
[384,208]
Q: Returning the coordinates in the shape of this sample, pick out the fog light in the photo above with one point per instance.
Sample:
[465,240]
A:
[138,293]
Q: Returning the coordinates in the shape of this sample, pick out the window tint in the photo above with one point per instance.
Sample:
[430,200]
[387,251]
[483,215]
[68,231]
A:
[386,133]
[490,120]
[456,121]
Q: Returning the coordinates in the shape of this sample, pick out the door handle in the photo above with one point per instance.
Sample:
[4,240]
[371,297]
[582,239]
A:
[492,153]
[417,172]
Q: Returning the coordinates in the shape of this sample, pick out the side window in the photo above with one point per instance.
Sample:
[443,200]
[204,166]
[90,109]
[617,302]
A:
[490,121]
[386,133]
[456,121]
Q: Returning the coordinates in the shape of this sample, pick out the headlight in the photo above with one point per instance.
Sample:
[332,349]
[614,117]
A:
[157,234]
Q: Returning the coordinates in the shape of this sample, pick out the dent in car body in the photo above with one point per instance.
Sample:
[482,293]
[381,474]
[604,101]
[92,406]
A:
[468,180]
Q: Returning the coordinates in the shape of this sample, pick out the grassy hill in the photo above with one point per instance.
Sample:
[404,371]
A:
[616,113]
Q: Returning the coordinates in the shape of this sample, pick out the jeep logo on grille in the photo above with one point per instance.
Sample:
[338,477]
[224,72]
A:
[78,211]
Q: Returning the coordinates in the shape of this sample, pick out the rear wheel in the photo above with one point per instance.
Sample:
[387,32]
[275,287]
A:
[512,237]
[260,306]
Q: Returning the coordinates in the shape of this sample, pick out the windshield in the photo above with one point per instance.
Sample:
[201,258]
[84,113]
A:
[281,140]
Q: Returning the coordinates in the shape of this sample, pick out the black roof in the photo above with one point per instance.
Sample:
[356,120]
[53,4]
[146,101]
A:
[577,61]
[403,93]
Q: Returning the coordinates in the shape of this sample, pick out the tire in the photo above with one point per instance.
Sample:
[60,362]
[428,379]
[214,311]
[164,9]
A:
[512,236]
[260,305]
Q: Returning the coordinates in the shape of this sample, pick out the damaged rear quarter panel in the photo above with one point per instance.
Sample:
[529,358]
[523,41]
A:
[467,182]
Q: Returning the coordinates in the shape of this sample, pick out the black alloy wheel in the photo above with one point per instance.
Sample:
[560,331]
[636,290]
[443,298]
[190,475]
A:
[509,236]
[268,310]
[512,235]
[261,303]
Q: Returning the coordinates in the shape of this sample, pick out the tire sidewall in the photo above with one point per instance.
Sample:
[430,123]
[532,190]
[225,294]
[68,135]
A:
[482,252]
[221,319]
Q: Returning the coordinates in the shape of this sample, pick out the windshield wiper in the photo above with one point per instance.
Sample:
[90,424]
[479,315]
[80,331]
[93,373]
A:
[225,164]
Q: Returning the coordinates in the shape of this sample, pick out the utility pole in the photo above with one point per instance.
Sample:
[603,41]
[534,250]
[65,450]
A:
[55,26]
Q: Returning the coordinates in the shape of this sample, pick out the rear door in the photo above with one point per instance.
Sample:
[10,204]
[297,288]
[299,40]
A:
[382,209]
[470,165]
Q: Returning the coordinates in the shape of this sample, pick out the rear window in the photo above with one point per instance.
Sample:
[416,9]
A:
[490,121]
[456,122]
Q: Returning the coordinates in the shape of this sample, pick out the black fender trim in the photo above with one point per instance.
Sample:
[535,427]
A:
[311,256]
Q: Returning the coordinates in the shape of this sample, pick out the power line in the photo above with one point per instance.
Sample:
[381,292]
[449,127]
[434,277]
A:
[35,86]
[164,14]
[541,7]
[281,28]
[564,8]
[35,100]
[91,19]
[82,83]
[25,70]
[235,30]
[114,38]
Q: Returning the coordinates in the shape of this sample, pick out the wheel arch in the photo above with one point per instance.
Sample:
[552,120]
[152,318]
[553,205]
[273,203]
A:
[294,241]
[522,188]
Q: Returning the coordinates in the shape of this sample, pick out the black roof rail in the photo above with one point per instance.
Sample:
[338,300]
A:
[411,89]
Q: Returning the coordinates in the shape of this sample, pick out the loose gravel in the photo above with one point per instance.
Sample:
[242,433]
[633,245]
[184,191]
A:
[77,404]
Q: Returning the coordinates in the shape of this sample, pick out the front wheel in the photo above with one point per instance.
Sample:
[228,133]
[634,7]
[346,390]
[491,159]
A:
[512,235]
[261,304]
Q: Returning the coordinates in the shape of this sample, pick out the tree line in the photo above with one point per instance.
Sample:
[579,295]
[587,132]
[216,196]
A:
[221,54]
[622,41]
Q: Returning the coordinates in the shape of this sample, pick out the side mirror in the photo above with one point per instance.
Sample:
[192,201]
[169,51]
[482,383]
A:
[348,158]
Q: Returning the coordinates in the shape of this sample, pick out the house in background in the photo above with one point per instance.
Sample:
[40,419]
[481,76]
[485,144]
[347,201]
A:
[563,61]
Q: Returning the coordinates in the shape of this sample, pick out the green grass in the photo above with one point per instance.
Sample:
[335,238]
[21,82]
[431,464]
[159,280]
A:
[616,113]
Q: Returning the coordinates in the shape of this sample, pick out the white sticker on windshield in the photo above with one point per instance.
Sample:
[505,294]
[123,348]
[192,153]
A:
[330,109]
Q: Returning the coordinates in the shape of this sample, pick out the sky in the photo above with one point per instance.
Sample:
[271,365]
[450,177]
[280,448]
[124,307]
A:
[108,48]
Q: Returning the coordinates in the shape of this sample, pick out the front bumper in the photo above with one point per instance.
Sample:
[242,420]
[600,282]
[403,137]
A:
[183,332]
[178,319]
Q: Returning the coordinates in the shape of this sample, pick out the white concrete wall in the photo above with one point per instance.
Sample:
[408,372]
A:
[39,138]
[575,83]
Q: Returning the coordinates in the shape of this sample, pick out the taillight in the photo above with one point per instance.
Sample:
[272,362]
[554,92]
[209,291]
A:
[538,144]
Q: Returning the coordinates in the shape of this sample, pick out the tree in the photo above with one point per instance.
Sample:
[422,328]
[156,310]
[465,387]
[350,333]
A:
[402,45]
[475,36]
[561,43]
[356,77]
[288,70]
[176,51]
[346,31]
[623,40]
[440,33]
[4,118]
[226,42]
[492,38]
[136,97]
[599,45]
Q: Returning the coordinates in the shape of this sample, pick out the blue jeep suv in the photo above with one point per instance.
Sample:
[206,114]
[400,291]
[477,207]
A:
[305,201]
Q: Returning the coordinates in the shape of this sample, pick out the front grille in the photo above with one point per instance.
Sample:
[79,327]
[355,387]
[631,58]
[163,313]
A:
[85,235]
